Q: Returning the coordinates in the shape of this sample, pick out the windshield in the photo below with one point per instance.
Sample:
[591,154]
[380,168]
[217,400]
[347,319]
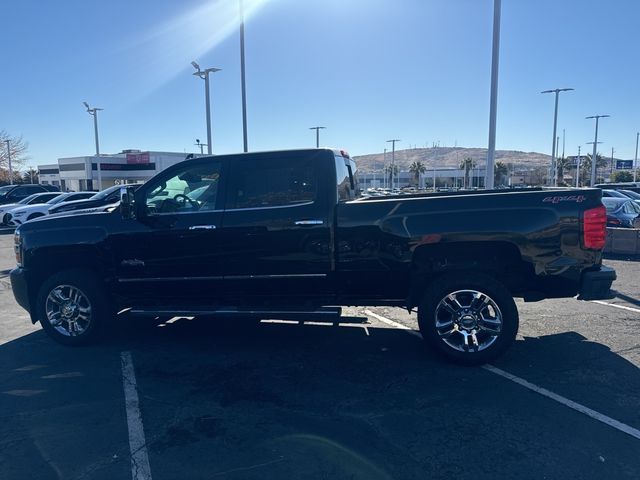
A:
[105,193]
[611,204]
[4,190]
[58,199]
[614,193]
[29,199]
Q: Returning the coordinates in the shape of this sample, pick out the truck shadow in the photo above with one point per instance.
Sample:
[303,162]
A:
[311,401]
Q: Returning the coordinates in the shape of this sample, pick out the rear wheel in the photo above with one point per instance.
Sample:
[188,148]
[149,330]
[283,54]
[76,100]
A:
[35,215]
[73,307]
[468,317]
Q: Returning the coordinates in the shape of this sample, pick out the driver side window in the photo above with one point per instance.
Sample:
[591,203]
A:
[192,189]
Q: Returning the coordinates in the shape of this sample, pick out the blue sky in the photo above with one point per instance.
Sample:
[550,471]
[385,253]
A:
[369,70]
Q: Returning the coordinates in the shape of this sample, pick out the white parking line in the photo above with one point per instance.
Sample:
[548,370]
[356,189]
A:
[409,330]
[140,469]
[631,309]
[624,428]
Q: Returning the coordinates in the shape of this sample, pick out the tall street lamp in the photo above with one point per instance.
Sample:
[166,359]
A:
[595,148]
[493,102]
[635,160]
[9,159]
[393,161]
[198,144]
[242,79]
[554,168]
[204,74]
[317,129]
[94,112]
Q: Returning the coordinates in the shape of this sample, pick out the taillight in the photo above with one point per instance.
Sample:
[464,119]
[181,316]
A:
[17,247]
[594,228]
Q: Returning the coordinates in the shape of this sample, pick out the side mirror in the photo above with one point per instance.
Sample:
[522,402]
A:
[127,202]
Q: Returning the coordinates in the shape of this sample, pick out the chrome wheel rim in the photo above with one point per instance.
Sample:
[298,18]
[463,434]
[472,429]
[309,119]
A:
[68,310]
[468,320]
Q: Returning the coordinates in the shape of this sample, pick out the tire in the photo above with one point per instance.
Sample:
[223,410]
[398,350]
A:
[35,215]
[485,311]
[89,313]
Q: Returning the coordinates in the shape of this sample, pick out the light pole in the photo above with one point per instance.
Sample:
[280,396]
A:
[635,159]
[384,168]
[204,74]
[393,161]
[242,79]
[198,144]
[611,166]
[317,129]
[493,103]
[557,91]
[578,169]
[9,159]
[595,148]
[94,112]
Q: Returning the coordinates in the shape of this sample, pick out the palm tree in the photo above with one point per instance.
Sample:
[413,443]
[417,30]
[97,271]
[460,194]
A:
[562,165]
[391,171]
[417,168]
[467,164]
[500,172]
[601,162]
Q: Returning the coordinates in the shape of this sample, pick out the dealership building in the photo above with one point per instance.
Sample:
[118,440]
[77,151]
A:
[129,166]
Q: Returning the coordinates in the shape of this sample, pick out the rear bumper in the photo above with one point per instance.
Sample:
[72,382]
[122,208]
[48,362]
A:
[596,285]
[20,287]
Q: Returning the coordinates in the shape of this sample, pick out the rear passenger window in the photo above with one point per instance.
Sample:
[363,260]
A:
[268,182]
[343,179]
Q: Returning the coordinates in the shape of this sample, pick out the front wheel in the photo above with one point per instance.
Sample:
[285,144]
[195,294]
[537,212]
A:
[73,307]
[469,318]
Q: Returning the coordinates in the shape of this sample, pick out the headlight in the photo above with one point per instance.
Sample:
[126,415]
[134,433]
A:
[17,247]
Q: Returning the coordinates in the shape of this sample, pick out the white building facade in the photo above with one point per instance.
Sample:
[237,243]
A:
[129,166]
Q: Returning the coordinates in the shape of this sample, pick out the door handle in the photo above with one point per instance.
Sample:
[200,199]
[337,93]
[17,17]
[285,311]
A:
[202,227]
[309,222]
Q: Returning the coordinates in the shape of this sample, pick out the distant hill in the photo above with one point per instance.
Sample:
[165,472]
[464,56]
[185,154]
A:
[451,157]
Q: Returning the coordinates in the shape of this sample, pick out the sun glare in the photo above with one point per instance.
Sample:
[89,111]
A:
[163,52]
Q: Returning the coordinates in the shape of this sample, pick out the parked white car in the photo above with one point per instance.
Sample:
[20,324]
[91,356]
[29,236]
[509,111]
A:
[36,198]
[23,213]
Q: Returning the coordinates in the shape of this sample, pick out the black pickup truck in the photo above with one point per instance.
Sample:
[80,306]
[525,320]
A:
[285,235]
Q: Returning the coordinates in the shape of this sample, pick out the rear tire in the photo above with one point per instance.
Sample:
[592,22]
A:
[35,215]
[73,307]
[469,318]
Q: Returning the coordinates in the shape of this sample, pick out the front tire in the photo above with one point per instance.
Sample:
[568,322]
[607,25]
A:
[469,318]
[73,307]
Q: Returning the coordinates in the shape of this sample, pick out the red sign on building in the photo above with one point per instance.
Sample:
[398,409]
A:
[138,157]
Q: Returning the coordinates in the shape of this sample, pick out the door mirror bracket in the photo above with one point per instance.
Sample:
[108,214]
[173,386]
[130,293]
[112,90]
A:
[127,202]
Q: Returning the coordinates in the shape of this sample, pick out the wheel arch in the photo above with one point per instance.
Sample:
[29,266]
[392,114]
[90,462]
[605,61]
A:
[51,260]
[499,259]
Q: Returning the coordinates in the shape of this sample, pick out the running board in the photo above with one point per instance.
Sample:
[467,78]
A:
[330,314]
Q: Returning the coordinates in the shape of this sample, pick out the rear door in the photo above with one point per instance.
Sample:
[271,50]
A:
[276,227]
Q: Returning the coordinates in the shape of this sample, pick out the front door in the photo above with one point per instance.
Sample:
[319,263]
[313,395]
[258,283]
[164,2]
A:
[172,250]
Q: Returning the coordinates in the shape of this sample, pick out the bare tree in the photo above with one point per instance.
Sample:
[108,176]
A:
[19,156]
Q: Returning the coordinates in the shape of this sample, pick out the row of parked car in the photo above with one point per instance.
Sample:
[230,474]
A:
[14,211]
[623,207]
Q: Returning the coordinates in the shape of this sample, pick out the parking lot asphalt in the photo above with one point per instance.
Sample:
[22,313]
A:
[244,400]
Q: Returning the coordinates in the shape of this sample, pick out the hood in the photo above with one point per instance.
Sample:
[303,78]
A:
[23,208]
[81,218]
[76,205]
[9,206]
